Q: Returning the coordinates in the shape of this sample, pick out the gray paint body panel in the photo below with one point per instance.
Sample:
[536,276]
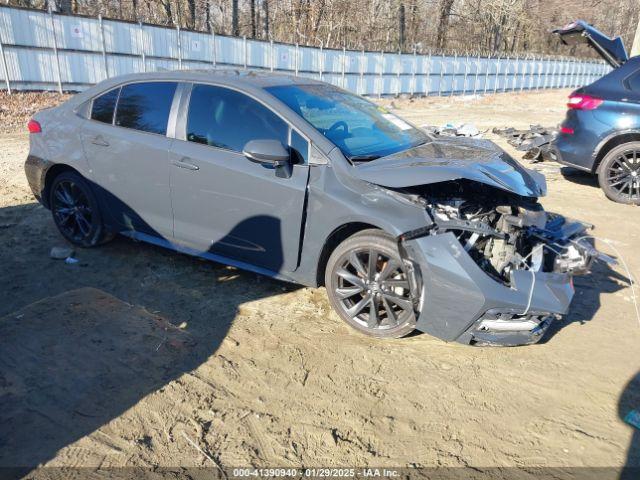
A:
[456,292]
[235,211]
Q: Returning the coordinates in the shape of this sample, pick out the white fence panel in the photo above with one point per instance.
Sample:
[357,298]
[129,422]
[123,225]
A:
[41,50]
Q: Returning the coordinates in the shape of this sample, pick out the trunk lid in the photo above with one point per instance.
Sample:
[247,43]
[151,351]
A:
[610,49]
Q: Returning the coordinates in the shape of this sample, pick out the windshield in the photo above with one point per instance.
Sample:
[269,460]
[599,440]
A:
[361,129]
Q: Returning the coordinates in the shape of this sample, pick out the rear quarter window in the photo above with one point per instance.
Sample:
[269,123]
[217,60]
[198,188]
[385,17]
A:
[103,106]
[145,106]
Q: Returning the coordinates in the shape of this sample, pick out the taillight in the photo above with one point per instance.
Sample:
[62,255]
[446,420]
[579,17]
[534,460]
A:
[580,101]
[567,130]
[34,126]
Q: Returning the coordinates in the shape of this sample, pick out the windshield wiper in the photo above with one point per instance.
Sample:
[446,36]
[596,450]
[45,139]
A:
[364,158]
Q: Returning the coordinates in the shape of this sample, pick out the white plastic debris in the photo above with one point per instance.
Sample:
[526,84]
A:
[71,261]
[468,130]
[61,253]
[455,130]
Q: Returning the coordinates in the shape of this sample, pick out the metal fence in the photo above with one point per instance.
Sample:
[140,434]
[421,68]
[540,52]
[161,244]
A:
[48,51]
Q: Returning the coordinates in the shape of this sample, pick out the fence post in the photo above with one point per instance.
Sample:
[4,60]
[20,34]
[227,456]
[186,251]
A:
[524,73]
[475,77]
[179,42]
[516,74]
[271,53]
[506,75]
[486,75]
[244,52]
[540,65]
[344,65]
[399,69]
[143,56]
[321,62]
[361,80]
[441,74]
[427,80]
[495,81]
[414,67]
[454,74]
[466,73]
[55,49]
[214,56]
[380,79]
[104,48]
[5,68]
[297,65]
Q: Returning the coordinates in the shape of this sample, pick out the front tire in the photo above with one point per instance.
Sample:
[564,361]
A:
[368,285]
[619,174]
[75,210]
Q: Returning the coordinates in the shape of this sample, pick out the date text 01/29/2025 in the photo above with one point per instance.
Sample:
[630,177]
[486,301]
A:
[316,472]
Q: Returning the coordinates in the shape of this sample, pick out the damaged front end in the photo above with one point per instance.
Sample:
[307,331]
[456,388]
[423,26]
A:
[492,266]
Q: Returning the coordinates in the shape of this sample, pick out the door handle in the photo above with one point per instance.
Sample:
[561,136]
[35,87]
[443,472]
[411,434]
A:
[184,163]
[98,140]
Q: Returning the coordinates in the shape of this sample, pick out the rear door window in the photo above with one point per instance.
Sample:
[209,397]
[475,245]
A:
[227,119]
[104,106]
[145,106]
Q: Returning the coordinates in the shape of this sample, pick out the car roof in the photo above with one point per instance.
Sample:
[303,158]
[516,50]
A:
[235,77]
[245,79]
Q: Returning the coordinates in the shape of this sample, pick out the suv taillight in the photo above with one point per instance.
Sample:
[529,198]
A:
[580,101]
[34,126]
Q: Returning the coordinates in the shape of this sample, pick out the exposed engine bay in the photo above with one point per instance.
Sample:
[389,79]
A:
[503,232]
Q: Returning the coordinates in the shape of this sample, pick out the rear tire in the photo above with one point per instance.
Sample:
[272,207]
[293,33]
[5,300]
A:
[368,286]
[619,174]
[76,212]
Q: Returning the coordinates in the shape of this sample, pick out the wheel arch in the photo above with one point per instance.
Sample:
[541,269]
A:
[51,173]
[612,142]
[335,238]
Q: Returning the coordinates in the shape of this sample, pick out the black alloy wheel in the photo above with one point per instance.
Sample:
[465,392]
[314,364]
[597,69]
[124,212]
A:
[368,285]
[75,210]
[619,174]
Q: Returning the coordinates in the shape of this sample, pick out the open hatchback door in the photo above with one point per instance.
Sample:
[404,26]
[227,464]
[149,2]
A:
[611,49]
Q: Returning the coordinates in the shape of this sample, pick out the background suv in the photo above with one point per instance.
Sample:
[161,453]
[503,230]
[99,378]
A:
[601,132]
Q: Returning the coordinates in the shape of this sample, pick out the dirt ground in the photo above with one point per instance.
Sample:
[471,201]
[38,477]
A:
[136,354]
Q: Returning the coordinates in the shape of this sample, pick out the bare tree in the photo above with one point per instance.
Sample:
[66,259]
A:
[235,30]
[489,26]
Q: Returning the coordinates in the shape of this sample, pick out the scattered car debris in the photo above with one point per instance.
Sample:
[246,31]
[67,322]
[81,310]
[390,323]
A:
[71,261]
[535,141]
[61,253]
[454,130]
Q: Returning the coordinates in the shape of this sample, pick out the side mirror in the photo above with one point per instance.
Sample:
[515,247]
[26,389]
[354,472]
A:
[267,152]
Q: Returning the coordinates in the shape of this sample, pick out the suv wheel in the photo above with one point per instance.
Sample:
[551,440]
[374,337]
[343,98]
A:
[619,174]
[75,211]
[368,285]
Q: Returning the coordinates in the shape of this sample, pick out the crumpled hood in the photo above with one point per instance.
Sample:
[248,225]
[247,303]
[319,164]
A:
[453,158]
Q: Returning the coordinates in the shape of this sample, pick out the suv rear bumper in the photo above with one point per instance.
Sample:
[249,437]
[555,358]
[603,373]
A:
[573,152]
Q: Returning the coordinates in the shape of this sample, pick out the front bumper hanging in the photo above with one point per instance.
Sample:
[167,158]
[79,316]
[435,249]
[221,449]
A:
[460,302]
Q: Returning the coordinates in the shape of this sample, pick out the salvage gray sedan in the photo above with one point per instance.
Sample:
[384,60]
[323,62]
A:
[305,182]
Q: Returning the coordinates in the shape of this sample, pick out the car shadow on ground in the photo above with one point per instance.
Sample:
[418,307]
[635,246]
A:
[630,400]
[89,342]
[586,301]
[579,177]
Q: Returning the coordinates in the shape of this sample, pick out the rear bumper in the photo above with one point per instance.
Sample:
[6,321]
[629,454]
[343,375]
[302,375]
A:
[573,153]
[35,169]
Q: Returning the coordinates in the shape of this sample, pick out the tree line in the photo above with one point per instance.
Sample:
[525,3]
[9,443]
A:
[467,26]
